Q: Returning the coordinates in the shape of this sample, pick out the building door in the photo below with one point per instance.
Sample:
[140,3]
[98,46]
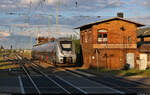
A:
[130,60]
[143,62]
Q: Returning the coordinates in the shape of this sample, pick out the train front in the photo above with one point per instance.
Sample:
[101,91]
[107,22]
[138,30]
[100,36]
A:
[66,51]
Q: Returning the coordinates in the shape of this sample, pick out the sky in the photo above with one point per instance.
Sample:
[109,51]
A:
[21,21]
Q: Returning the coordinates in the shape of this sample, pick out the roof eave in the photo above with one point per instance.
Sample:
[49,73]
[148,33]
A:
[138,24]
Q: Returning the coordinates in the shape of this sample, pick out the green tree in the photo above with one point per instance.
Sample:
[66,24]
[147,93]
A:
[78,49]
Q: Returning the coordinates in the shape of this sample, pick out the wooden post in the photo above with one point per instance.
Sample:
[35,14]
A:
[97,59]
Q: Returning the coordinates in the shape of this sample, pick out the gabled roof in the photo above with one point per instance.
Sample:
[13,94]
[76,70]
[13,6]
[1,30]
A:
[143,32]
[109,19]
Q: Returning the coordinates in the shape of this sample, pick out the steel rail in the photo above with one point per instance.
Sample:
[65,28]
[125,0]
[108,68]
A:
[94,82]
[106,82]
[84,92]
[72,84]
[116,78]
[48,77]
[102,81]
[130,81]
[116,85]
[26,71]
[122,93]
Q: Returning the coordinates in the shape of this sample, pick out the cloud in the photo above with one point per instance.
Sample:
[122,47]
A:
[83,6]
[33,31]
[17,41]
[28,1]
[3,6]
[4,34]
[38,1]
[142,3]
[142,19]
[51,1]
[70,14]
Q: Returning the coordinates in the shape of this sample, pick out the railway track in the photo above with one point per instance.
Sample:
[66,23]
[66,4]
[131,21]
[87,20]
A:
[127,86]
[123,85]
[59,84]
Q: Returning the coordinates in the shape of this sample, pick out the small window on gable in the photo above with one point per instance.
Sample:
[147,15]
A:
[102,36]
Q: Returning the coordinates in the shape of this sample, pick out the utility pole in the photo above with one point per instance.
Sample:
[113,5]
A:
[49,27]
[57,19]
[31,39]
[29,24]
[37,36]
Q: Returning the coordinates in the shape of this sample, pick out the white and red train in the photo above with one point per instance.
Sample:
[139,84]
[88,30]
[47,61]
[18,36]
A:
[61,50]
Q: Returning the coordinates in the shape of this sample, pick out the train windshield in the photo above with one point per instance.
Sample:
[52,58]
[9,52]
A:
[66,45]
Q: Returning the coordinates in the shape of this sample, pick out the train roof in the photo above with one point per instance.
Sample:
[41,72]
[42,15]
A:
[58,39]
[63,38]
[41,43]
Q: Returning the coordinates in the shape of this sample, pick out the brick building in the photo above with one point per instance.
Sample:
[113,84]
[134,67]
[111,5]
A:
[109,43]
[143,35]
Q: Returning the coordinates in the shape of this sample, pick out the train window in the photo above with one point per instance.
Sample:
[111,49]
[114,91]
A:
[66,45]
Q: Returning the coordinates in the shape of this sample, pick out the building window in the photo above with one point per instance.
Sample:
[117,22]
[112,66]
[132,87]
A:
[102,36]
[129,39]
[122,28]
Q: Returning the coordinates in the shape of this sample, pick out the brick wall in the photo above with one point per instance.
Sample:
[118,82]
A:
[115,34]
[112,58]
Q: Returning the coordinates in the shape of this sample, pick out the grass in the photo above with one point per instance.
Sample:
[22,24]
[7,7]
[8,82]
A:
[8,67]
[27,54]
[131,72]
[4,64]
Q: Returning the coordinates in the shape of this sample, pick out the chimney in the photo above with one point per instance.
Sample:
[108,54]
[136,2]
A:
[120,14]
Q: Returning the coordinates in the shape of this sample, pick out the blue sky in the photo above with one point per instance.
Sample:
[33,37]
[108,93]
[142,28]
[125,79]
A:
[22,19]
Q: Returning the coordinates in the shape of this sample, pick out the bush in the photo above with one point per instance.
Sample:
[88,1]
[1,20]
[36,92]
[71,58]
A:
[77,46]
[78,50]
